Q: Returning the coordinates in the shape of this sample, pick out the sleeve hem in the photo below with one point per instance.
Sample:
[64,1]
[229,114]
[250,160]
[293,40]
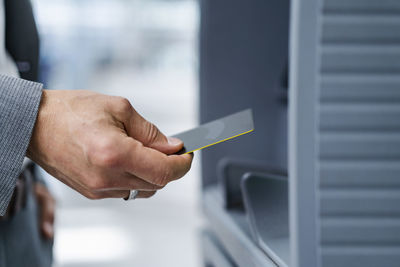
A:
[19,105]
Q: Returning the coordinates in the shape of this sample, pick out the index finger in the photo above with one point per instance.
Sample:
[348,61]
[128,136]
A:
[153,166]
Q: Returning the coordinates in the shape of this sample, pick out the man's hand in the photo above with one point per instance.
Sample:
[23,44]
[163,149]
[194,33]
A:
[46,204]
[100,146]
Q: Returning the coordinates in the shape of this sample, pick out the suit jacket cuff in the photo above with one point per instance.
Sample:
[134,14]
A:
[19,105]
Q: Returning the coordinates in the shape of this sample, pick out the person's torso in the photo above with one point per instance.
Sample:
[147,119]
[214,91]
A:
[7,65]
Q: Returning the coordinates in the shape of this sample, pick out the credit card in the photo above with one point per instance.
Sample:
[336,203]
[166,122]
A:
[217,131]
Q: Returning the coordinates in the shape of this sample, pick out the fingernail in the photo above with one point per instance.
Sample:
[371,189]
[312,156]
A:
[174,141]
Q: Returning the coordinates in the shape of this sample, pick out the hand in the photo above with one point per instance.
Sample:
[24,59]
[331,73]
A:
[46,210]
[101,147]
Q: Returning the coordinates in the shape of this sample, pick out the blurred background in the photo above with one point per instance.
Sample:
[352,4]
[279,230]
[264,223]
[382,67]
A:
[146,51]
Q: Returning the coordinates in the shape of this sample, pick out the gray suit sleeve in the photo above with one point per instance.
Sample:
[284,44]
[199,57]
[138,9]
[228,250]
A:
[19,104]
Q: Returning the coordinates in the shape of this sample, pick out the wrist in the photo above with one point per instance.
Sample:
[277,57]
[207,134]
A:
[44,115]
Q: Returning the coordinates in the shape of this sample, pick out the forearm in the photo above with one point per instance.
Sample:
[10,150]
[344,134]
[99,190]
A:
[19,104]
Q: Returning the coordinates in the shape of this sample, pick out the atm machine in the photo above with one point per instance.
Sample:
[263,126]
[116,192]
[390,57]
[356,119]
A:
[317,184]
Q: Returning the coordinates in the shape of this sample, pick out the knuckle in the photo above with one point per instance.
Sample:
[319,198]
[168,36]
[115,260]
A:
[163,177]
[104,154]
[109,159]
[151,133]
[157,187]
[95,184]
[93,196]
[123,104]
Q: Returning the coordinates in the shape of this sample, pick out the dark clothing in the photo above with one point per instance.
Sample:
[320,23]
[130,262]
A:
[21,243]
[22,39]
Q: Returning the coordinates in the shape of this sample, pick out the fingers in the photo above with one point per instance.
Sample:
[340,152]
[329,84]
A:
[146,194]
[122,163]
[47,210]
[123,194]
[150,136]
[147,133]
[155,167]
[127,181]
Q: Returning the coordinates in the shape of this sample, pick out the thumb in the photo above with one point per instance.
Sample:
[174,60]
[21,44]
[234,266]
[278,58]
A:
[150,136]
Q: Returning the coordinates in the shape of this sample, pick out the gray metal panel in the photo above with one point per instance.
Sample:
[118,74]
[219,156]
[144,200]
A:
[358,159]
[354,29]
[266,200]
[345,78]
[369,117]
[303,94]
[359,145]
[232,230]
[359,174]
[243,59]
[366,256]
[362,6]
[213,253]
[339,58]
[360,202]
[354,230]
[360,88]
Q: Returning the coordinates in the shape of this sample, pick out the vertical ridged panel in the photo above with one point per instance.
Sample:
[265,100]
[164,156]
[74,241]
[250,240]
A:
[353,116]
[359,133]
[353,7]
[348,29]
[372,59]
[360,88]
